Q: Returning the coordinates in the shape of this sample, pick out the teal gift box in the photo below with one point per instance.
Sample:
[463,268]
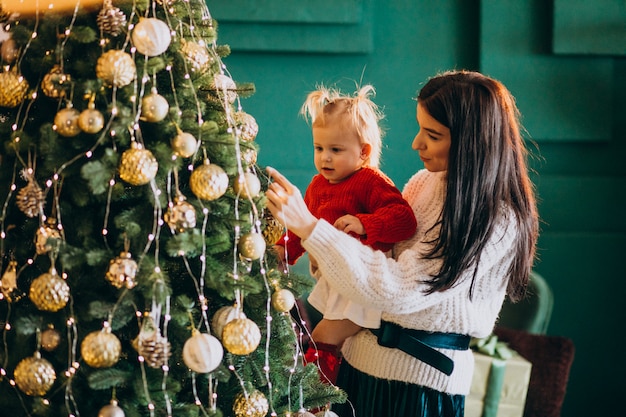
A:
[500,381]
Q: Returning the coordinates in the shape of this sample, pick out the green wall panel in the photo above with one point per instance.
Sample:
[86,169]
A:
[561,98]
[590,27]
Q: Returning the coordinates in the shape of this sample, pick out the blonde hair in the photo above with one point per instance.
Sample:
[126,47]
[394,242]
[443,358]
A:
[328,105]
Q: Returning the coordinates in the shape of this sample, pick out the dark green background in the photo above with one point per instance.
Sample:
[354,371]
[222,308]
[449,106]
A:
[564,60]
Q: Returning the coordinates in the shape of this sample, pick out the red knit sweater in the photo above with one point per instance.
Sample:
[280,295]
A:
[367,194]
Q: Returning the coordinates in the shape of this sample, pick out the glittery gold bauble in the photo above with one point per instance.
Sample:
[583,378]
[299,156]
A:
[197,55]
[101,349]
[208,181]
[49,292]
[225,87]
[151,36]
[223,316]
[151,345]
[34,376]
[247,124]
[122,271]
[255,405]
[249,156]
[91,120]
[30,199]
[202,352]
[66,122]
[154,107]
[111,410]
[241,336]
[116,68]
[111,20]
[50,339]
[184,144]
[247,185]
[283,300]
[251,246]
[138,166]
[272,230]
[8,283]
[13,88]
[56,83]
[180,215]
[47,237]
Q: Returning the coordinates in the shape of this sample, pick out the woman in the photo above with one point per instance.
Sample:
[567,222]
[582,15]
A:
[474,244]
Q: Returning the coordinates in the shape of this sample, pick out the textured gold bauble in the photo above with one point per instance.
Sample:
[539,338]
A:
[151,36]
[49,292]
[208,181]
[184,144]
[251,246]
[13,88]
[224,87]
[202,352]
[241,336]
[272,229]
[66,122]
[122,271]
[249,156]
[91,121]
[101,349]
[283,300]
[116,68]
[223,316]
[247,185]
[8,283]
[56,83]
[138,166]
[255,405]
[50,339]
[154,107]
[247,125]
[34,376]
[180,215]
[196,55]
[47,237]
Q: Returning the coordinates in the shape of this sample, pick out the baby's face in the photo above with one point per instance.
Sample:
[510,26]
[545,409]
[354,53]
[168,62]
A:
[338,152]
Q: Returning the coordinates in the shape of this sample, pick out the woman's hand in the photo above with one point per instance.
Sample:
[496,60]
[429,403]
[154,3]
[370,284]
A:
[287,205]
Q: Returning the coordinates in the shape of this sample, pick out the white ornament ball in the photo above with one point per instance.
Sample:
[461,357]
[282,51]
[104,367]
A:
[326,413]
[223,316]
[111,410]
[247,185]
[151,36]
[225,87]
[202,352]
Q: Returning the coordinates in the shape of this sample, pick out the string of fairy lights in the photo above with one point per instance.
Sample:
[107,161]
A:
[148,36]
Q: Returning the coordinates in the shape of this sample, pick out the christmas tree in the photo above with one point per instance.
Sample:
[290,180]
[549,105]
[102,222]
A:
[136,273]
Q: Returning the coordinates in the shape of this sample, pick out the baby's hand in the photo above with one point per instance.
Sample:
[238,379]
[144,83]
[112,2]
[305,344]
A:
[350,224]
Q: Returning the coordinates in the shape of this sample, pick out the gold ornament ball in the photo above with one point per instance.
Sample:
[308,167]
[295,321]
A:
[34,376]
[326,413]
[180,215]
[8,283]
[66,122]
[255,405]
[283,300]
[202,352]
[9,51]
[241,336]
[184,144]
[122,271]
[197,55]
[13,89]
[49,292]
[111,410]
[249,156]
[50,339]
[46,237]
[151,36]
[208,181]
[247,185]
[138,166]
[101,349]
[116,68]
[223,316]
[273,230]
[56,83]
[154,107]
[303,413]
[251,246]
[91,121]
[247,125]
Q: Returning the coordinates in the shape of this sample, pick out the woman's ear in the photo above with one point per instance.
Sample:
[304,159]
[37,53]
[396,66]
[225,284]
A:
[366,150]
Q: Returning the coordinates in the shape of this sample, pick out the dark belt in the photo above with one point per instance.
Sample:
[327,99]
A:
[420,344]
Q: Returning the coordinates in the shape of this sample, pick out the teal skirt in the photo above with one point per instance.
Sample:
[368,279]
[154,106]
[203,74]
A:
[373,397]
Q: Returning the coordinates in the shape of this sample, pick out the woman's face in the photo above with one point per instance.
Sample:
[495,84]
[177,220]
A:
[432,141]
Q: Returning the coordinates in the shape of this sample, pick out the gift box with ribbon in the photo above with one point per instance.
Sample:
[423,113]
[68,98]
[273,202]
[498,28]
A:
[500,380]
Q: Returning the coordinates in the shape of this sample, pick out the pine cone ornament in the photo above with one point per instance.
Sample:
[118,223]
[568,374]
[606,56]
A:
[111,20]
[138,166]
[13,88]
[253,405]
[101,349]
[30,198]
[34,376]
[241,336]
[208,181]
[151,345]
[49,292]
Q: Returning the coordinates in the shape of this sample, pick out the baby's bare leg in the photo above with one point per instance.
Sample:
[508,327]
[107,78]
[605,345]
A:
[334,332]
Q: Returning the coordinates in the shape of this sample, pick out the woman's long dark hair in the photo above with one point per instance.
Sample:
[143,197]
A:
[486,169]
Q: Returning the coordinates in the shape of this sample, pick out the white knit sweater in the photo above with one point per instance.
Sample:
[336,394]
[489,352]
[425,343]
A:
[396,287]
